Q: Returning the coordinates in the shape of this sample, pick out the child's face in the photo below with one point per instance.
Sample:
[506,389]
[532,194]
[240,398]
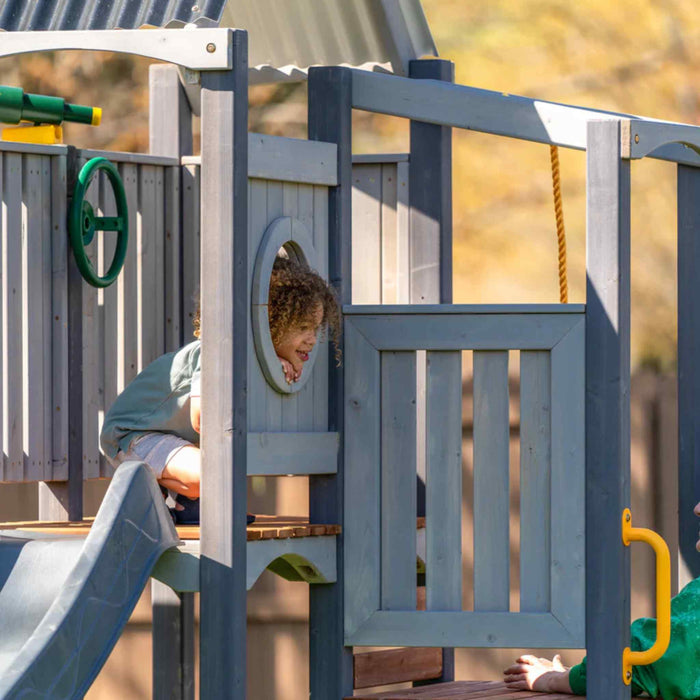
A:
[298,341]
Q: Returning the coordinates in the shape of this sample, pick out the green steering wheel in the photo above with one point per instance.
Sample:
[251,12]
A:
[82,223]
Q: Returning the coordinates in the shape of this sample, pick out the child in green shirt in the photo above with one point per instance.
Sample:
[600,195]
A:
[156,418]
[675,676]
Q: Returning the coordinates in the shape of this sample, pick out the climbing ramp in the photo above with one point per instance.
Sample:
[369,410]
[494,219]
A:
[64,599]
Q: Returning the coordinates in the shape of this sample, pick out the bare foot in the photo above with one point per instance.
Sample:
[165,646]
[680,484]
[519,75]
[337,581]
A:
[535,673]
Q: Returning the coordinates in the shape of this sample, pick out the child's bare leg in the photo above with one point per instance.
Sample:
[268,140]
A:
[182,472]
[534,673]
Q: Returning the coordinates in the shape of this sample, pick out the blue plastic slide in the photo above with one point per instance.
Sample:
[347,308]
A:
[64,599]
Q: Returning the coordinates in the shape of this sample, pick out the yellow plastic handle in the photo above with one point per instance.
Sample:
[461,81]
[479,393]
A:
[663,596]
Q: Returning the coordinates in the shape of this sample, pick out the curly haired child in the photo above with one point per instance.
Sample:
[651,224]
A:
[156,419]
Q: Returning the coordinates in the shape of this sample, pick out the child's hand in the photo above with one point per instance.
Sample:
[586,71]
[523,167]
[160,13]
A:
[534,673]
[290,374]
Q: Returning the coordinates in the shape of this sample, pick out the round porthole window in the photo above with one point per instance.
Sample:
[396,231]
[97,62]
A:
[289,237]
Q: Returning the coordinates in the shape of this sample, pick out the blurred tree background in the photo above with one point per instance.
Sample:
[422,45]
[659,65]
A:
[639,57]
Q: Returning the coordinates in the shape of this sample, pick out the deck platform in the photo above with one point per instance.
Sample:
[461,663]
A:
[289,546]
[461,690]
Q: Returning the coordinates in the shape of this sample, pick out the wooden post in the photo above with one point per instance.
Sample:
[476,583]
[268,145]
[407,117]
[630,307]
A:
[170,134]
[330,119]
[607,410]
[430,235]
[430,199]
[170,116]
[688,372]
[173,655]
[225,318]
[63,500]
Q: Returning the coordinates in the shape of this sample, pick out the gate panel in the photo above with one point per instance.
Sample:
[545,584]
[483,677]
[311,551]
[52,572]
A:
[380,444]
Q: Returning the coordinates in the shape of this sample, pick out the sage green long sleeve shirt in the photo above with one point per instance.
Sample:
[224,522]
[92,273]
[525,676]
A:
[676,675]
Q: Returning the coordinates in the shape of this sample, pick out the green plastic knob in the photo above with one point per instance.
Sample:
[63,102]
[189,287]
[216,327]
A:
[82,223]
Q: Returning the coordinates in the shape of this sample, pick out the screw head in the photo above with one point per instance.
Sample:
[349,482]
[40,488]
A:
[195,8]
[628,517]
[211,48]
[628,675]
[636,138]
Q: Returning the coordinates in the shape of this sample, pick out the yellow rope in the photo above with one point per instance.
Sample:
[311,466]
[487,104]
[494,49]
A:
[561,234]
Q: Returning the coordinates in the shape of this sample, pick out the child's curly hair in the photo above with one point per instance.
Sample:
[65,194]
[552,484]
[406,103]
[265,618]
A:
[296,291]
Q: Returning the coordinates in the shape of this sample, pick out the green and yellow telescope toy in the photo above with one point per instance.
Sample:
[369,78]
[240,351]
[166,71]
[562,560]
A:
[45,113]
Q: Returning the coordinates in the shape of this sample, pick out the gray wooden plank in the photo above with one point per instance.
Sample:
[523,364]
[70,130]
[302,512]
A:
[110,312]
[173,643]
[367,234]
[306,397]
[444,481]
[491,482]
[430,196]
[105,244]
[688,184]
[170,116]
[568,515]
[292,453]
[436,102]
[46,318]
[92,371]
[403,233]
[607,409]
[493,309]
[325,356]
[75,369]
[363,480]
[147,263]
[128,285]
[174,265]
[398,481]
[60,251]
[464,629]
[535,480]
[458,331]
[125,157]
[159,235]
[273,400]
[34,279]
[190,247]
[33,148]
[290,403]
[292,160]
[379,158]
[389,235]
[330,120]
[225,317]
[13,397]
[257,397]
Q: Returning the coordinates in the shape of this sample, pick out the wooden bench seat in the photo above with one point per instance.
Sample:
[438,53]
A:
[461,690]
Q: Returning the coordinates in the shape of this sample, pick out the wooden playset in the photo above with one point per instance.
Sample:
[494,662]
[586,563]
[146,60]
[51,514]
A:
[360,430]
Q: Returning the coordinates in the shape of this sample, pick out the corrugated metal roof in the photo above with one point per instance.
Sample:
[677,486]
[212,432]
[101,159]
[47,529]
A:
[33,15]
[286,36]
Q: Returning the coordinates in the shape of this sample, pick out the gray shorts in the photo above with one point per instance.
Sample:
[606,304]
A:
[155,449]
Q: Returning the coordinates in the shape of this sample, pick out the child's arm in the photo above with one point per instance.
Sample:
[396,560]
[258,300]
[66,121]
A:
[533,673]
[195,412]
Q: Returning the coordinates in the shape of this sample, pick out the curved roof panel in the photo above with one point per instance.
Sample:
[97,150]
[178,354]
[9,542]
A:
[286,36]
